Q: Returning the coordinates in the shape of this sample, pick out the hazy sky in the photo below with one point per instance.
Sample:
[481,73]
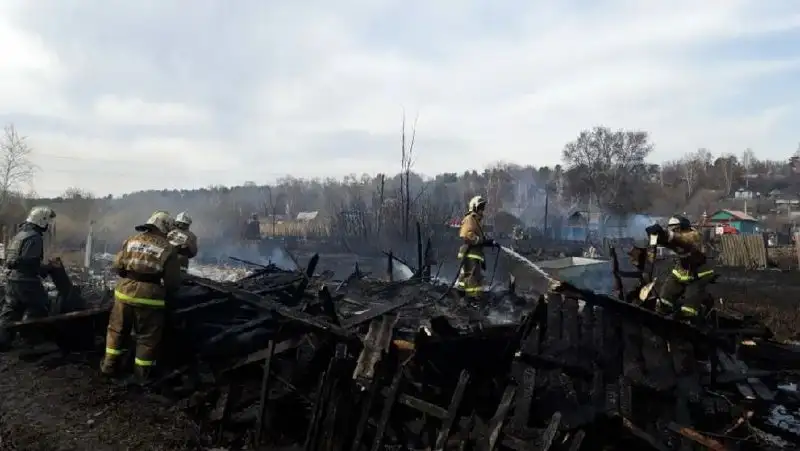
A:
[124,95]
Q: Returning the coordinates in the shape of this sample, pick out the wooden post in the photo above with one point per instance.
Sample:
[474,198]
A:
[797,247]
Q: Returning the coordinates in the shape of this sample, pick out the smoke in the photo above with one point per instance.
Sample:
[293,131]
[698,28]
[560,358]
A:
[636,224]
[268,253]
[217,214]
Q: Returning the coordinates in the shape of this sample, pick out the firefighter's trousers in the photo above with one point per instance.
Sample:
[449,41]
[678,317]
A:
[24,299]
[470,278]
[684,291]
[146,323]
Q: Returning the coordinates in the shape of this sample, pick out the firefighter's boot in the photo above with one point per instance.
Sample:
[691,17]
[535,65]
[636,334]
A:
[110,365]
[142,374]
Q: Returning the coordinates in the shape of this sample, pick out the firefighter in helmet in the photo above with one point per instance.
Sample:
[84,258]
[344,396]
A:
[26,296]
[149,274]
[690,269]
[473,262]
[184,240]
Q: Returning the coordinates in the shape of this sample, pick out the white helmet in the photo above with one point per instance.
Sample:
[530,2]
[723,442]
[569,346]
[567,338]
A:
[160,220]
[476,202]
[678,221]
[41,216]
[183,218]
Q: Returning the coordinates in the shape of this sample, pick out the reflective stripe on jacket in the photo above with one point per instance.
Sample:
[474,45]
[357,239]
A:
[146,255]
[472,234]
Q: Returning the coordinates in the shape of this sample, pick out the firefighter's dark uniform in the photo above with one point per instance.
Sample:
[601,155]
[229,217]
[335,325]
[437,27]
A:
[185,241]
[684,285]
[252,234]
[149,273]
[25,293]
[470,277]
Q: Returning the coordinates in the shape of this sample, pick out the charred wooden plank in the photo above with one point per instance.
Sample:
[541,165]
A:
[660,374]
[64,317]
[366,408]
[264,396]
[553,332]
[588,336]
[642,435]
[632,364]
[499,418]
[301,287]
[550,432]
[270,305]
[388,406]
[570,331]
[202,305]
[727,364]
[328,306]
[758,387]
[376,344]
[524,398]
[375,312]
[337,406]
[315,422]
[697,437]
[576,440]
[452,410]
[232,397]
[664,326]
[257,356]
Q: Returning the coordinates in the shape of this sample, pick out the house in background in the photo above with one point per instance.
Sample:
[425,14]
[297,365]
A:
[580,224]
[739,220]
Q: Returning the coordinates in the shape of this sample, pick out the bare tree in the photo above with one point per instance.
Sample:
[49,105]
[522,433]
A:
[74,193]
[406,163]
[609,166]
[16,167]
[690,172]
[725,168]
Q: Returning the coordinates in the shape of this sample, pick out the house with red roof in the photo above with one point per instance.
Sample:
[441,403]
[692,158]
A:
[729,221]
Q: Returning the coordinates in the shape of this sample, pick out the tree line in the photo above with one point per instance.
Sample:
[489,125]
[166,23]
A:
[602,169]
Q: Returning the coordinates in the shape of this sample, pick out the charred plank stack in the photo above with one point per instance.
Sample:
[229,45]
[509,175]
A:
[282,357]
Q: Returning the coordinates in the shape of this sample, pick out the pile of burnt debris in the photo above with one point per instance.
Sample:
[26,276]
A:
[284,357]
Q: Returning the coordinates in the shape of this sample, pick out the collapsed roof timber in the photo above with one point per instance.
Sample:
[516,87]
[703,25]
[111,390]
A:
[280,357]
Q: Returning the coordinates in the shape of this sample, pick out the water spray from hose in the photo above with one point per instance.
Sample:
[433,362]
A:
[518,257]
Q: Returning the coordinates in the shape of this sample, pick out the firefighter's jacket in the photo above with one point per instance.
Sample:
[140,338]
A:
[25,254]
[252,230]
[185,241]
[472,235]
[148,268]
[688,244]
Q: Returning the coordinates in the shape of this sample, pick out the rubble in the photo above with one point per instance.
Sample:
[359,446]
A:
[295,358]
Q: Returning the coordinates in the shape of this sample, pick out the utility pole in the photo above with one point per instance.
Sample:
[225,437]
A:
[546,207]
[746,162]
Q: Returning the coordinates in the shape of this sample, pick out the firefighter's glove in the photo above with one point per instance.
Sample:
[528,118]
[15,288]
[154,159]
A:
[658,231]
[488,242]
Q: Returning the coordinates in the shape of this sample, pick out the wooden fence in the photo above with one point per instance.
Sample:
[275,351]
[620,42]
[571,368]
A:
[748,251]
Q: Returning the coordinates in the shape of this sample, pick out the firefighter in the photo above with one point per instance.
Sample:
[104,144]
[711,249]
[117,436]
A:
[184,240]
[149,274]
[470,276]
[690,269]
[252,234]
[252,228]
[25,293]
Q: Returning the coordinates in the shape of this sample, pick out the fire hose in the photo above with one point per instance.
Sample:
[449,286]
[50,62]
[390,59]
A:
[461,266]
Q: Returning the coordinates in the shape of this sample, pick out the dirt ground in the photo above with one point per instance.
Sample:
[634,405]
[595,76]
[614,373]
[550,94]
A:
[47,405]
[771,295]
